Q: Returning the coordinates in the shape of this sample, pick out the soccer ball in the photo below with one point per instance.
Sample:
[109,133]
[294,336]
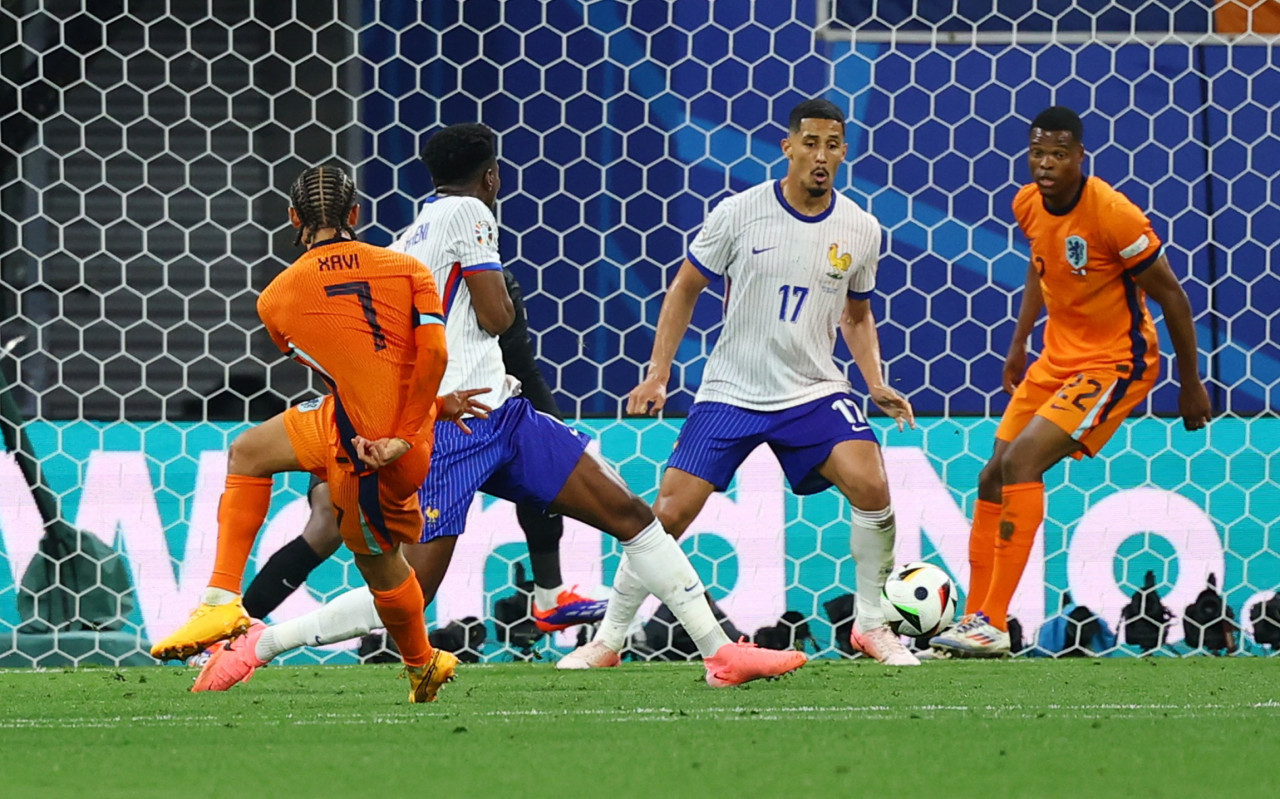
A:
[919,599]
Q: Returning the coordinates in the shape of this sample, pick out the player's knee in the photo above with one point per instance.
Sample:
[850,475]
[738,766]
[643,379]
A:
[871,494]
[674,514]
[991,479]
[1017,466]
[632,514]
[244,457]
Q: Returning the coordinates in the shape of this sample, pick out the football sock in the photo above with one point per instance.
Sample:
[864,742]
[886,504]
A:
[401,612]
[625,597]
[542,532]
[349,615]
[546,598]
[982,552]
[871,542]
[1020,516]
[241,512]
[283,574]
[664,570]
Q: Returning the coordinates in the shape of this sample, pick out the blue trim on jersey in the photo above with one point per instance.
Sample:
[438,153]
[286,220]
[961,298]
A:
[777,192]
[1147,262]
[491,266]
[860,295]
[707,273]
[429,319]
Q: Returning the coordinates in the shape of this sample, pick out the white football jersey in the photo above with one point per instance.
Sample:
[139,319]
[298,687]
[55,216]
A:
[458,236]
[786,280]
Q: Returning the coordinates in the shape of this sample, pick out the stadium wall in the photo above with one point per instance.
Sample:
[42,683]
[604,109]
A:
[1180,505]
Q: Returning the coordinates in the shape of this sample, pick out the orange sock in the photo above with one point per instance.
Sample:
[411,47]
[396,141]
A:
[982,552]
[401,611]
[241,512]
[1020,516]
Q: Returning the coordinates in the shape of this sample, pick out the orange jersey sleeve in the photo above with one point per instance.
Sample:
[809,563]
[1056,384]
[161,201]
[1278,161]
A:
[351,312]
[1087,256]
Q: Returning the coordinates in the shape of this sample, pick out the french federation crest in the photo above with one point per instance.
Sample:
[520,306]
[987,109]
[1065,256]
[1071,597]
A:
[1077,254]
[840,262]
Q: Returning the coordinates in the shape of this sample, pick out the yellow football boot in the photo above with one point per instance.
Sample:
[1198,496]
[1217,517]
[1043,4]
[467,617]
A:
[426,681]
[208,625]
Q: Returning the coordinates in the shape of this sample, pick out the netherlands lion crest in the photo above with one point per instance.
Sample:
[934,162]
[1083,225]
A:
[1077,254]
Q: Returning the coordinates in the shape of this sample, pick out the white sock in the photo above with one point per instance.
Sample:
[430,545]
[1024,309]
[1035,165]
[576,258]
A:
[663,569]
[546,598]
[219,596]
[346,616]
[871,542]
[625,597]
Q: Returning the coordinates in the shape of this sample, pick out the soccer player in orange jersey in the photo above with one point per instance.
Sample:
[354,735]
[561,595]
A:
[369,321]
[1094,261]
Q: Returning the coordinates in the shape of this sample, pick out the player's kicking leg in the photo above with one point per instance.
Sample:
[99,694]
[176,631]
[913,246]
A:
[255,455]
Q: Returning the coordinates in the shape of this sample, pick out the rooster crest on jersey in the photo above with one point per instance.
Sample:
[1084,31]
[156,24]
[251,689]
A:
[1077,254]
[840,262]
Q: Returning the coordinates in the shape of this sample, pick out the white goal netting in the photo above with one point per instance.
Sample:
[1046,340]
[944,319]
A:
[145,151]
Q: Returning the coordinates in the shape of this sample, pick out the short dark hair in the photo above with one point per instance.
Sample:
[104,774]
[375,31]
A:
[1059,117]
[814,109]
[323,196]
[459,153]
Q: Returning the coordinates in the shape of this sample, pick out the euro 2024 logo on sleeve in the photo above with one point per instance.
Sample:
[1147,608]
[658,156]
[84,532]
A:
[1077,255]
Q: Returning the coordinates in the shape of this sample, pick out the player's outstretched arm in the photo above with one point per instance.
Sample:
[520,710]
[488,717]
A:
[858,326]
[1160,284]
[673,320]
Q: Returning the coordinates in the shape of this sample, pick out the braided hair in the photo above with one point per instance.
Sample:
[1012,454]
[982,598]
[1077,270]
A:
[323,197]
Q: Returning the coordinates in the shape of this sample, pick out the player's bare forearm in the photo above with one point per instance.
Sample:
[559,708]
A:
[674,318]
[430,359]
[858,327]
[1160,284]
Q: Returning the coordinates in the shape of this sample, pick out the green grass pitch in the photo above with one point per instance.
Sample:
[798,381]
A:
[1079,728]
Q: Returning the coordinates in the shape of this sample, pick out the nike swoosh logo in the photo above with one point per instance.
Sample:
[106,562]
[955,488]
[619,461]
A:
[1057,407]
[691,588]
[757,251]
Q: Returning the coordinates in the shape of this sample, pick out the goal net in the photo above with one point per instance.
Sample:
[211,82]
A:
[145,153]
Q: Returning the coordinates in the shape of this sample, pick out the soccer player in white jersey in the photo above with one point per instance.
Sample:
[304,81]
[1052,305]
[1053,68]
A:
[797,260]
[517,453]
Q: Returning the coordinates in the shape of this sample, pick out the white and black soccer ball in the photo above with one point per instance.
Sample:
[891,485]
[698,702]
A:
[919,599]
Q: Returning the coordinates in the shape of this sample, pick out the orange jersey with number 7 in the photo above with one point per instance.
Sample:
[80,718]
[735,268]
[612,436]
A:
[1087,257]
[369,321]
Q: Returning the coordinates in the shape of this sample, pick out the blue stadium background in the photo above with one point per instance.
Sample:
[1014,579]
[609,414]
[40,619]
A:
[627,153]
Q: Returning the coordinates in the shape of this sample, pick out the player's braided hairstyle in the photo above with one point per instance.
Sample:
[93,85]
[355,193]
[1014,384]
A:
[1059,117]
[814,109]
[458,154]
[323,197]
